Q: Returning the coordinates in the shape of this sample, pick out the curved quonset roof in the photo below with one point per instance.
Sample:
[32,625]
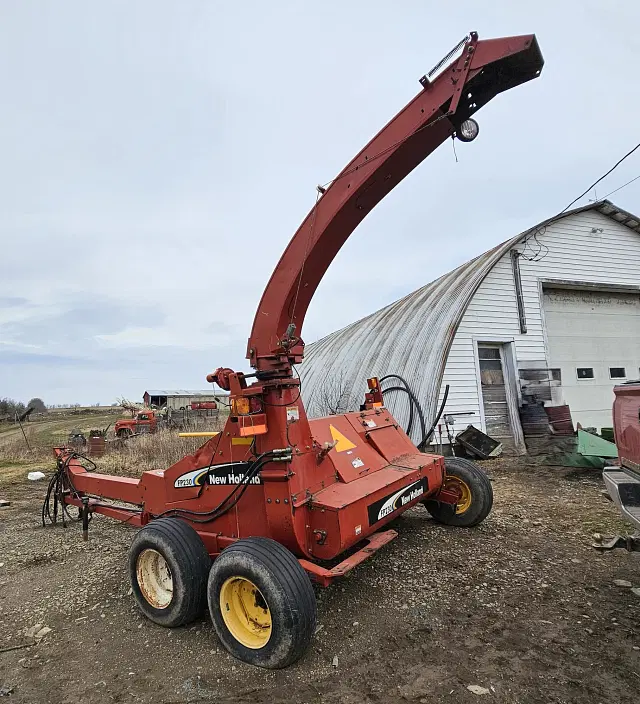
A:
[411,337]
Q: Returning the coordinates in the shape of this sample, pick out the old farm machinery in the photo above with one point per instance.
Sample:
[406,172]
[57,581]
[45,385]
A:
[265,507]
[623,481]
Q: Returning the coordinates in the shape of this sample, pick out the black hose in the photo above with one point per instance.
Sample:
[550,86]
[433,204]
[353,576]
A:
[438,415]
[59,485]
[229,501]
[414,401]
[406,387]
[407,430]
[426,436]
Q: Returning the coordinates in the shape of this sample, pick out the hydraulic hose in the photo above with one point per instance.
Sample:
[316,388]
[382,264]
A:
[230,500]
[413,401]
[438,415]
[400,388]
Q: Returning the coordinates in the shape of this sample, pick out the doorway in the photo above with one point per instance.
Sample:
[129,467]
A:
[494,393]
[500,399]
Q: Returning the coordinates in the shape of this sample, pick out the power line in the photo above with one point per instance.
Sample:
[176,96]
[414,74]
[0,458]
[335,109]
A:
[624,185]
[537,249]
[595,183]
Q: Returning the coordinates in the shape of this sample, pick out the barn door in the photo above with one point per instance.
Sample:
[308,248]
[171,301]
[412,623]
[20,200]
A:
[494,393]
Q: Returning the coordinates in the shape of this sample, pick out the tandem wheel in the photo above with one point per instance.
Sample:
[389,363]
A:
[168,568]
[476,494]
[262,603]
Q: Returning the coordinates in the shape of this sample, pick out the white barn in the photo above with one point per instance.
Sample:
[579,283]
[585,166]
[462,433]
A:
[553,313]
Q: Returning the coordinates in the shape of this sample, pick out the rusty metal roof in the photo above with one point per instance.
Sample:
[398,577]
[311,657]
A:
[412,336]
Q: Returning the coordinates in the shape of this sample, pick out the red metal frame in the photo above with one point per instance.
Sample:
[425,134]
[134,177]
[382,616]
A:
[329,483]
[414,133]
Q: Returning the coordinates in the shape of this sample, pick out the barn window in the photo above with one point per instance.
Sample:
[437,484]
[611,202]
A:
[585,372]
[617,373]
[489,358]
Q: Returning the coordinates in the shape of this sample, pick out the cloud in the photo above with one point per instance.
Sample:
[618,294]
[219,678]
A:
[12,301]
[76,321]
[157,157]
[29,359]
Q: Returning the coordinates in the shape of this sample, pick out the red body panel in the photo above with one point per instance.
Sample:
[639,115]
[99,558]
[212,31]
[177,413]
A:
[626,424]
[317,504]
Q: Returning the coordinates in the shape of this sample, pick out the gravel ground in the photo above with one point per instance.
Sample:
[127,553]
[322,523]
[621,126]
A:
[520,606]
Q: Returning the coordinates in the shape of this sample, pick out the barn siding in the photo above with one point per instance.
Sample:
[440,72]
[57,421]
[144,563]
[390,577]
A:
[429,335]
[574,254]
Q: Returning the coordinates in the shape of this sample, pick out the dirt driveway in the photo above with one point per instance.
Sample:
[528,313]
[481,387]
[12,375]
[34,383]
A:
[521,606]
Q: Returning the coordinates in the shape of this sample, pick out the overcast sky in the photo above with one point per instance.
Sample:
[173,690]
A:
[156,157]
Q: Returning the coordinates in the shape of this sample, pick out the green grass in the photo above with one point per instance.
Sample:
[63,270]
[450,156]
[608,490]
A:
[8,464]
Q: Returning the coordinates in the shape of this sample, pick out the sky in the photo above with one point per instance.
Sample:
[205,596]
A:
[156,157]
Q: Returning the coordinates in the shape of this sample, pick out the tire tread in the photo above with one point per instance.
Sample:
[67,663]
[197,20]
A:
[291,580]
[193,558]
[481,486]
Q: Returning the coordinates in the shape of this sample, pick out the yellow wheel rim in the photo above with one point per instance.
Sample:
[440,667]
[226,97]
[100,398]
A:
[464,503]
[245,612]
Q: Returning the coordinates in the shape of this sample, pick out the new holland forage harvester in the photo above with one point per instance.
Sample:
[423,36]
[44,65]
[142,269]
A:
[246,520]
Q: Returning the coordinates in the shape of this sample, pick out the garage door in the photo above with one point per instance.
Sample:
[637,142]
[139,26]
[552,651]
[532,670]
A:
[594,338]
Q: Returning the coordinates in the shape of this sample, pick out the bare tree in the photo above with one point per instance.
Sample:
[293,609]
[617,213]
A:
[129,406]
[333,396]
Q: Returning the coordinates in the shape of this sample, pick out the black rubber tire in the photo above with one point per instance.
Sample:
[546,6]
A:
[287,590]
[189,562]
[124,433]
[481,495]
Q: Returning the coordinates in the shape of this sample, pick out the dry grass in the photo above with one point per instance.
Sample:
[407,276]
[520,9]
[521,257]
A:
[13,450]
[129,458]
[138,454]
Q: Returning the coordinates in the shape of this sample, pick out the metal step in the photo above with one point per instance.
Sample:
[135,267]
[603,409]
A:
[624,489]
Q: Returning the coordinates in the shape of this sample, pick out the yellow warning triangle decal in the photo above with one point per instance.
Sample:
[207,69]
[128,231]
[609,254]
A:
[342,443]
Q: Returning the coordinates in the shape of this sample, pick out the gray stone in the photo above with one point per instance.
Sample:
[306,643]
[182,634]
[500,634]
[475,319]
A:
[477,689]
[42,632]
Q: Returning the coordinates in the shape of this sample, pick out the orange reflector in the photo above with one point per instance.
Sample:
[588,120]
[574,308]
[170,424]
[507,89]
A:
[255,424]
[240,406]
[253,430]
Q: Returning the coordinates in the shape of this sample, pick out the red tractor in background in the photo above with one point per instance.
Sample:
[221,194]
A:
[276,500]
[150,420]
[144,421]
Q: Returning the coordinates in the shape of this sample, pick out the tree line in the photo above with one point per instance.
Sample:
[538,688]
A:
[9,407]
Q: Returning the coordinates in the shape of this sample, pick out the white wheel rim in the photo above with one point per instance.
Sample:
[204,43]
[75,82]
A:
[154,578]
